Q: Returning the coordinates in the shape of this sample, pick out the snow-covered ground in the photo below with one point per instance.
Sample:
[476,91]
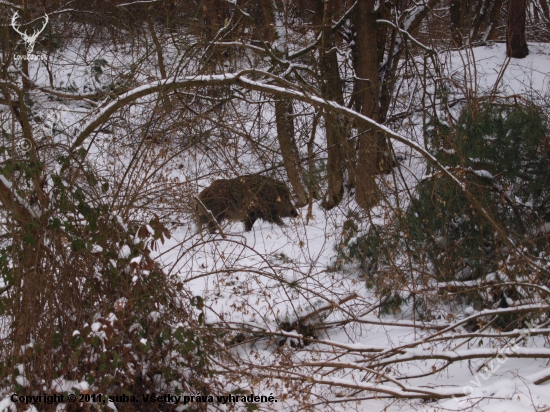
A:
[258,280]
[273,274]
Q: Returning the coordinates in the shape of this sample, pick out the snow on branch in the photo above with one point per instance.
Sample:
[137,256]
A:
[481,353]
[10,4]
[401,391]
[12,201]
[335,27]
[137,2]
[242,79]
[408,35]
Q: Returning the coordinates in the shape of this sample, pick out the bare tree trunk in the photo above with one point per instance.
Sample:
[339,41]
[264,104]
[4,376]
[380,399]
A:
[289,150]
[213,17]
[267,33]
[516,46]
[160,59]
[465,18]
[479,16]
[331,89]
[28,282]
[25,63]
[456,17]
[335,133]
[368,95]
[313,185]
[27,277]
[545,10]
[284,119]
[493,20]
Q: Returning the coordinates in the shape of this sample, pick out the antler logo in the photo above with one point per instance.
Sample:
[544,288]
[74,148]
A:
[29,40]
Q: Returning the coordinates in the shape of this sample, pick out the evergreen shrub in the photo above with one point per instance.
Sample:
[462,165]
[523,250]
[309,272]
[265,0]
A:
[501,152]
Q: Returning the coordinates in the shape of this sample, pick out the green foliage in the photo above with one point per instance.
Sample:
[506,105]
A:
[502,154]
[511,143]
[370,250]
[101,316]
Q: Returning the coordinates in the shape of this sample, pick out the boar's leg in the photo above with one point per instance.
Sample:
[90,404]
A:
[278,221]
[213,225]
[249,222]
[275,218]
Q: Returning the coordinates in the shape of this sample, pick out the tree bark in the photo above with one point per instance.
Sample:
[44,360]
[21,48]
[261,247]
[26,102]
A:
[289,150]
[284,117]
[465,17]
[267,19]
[367,102]
[493,20]
[335,133]
[25,63]
[516,46]
[27,276]
[545,11]
[160,60]
[479,16]
[331,89]
[456,17]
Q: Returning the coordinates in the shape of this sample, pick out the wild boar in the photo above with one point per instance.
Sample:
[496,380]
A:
[245,199]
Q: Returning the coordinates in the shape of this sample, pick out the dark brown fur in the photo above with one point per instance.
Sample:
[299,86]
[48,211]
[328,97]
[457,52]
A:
[245,199]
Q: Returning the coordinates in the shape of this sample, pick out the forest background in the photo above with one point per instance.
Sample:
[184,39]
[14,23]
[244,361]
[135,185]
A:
[412,135]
